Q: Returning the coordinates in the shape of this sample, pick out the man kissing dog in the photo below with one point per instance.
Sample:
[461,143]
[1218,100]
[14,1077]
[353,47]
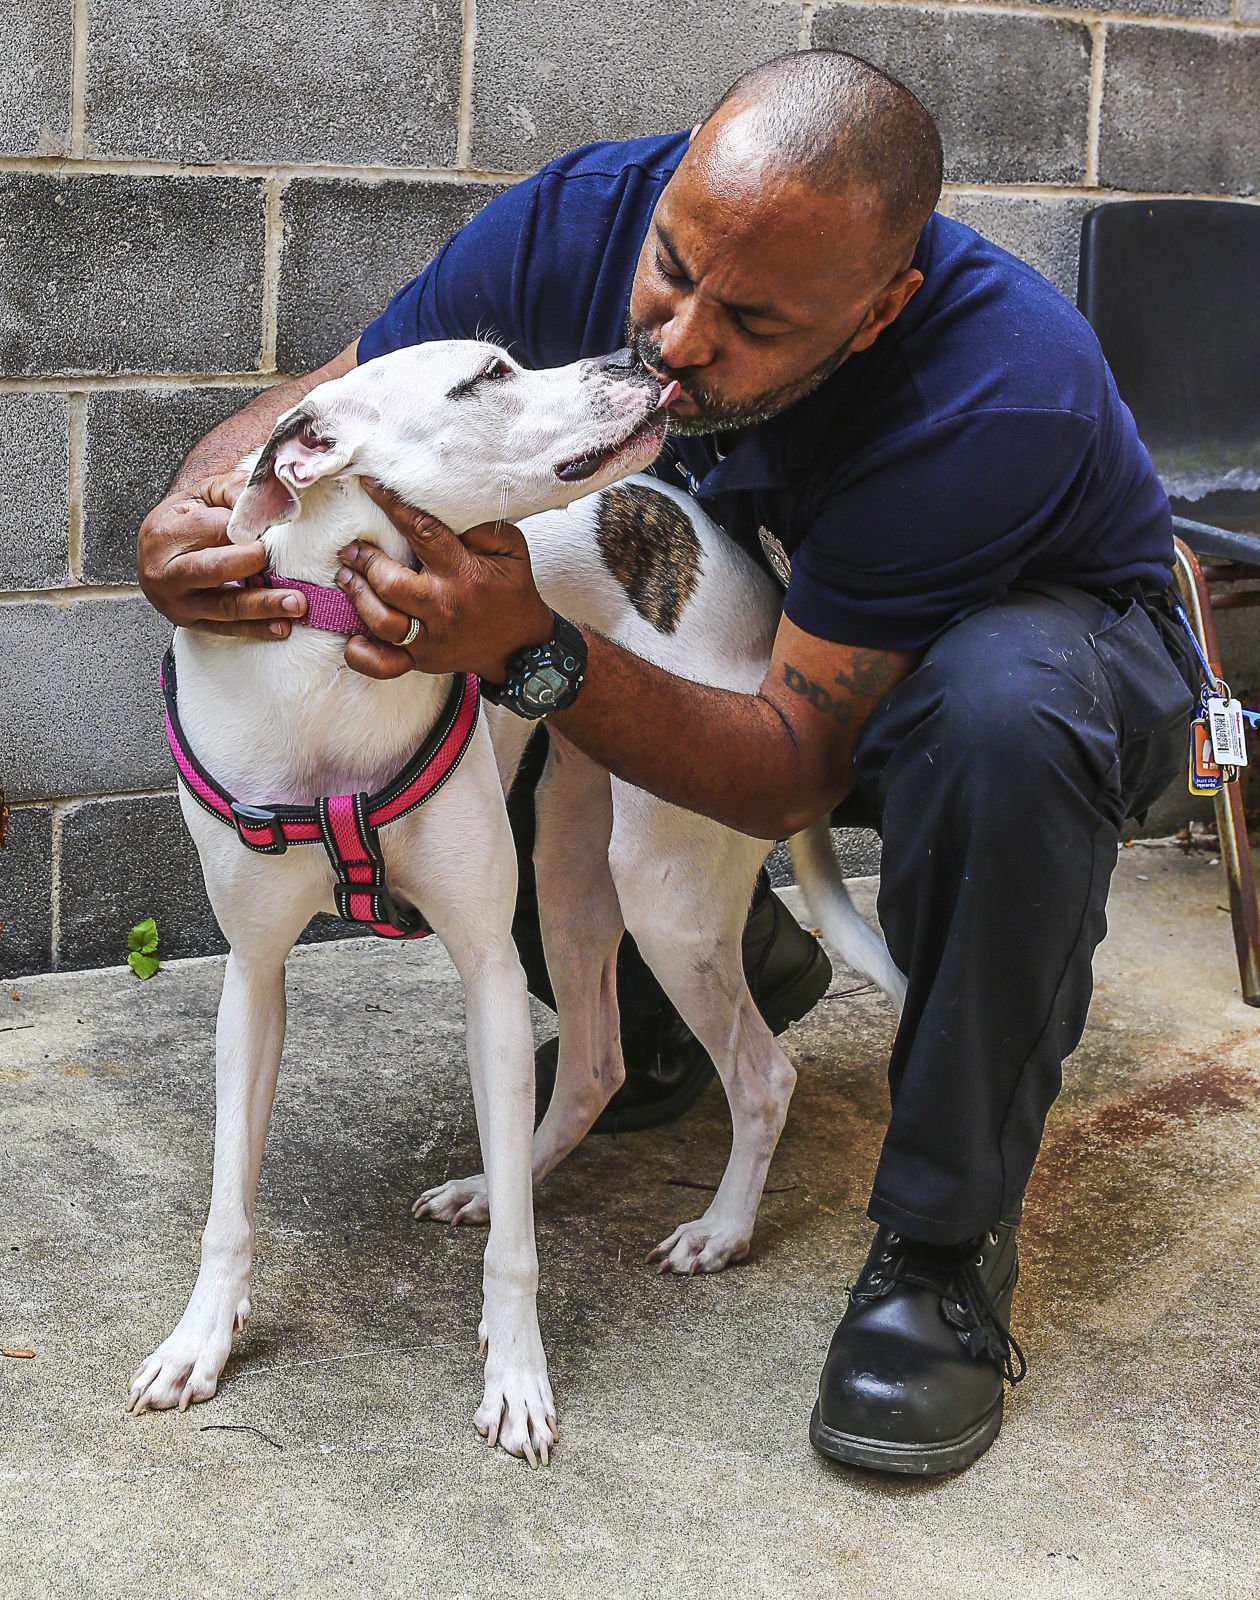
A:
[919,437]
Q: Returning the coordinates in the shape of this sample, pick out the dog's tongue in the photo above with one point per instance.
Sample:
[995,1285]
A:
[669,394]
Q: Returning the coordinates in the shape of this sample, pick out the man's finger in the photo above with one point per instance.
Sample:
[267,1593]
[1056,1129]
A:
[377,660]
[385,621]
[249,605]
[400,587]
[437,547]
[495,539]
[208,567]
[243,630]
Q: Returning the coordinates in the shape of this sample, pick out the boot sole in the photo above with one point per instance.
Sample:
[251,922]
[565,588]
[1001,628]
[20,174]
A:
[924,1460]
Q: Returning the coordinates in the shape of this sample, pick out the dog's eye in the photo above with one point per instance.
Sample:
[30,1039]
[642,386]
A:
[491,373]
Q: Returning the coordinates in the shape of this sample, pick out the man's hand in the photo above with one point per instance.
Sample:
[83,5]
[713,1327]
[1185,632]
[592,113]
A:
[184,560]
[474,598]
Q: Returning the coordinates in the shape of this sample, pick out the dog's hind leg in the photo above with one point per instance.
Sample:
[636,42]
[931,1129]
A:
[684,886]
[185,1367]
[581,928]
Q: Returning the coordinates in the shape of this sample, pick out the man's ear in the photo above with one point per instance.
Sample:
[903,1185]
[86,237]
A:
[303,448]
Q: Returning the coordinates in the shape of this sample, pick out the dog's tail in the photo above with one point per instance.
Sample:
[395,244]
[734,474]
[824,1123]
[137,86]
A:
[857,944]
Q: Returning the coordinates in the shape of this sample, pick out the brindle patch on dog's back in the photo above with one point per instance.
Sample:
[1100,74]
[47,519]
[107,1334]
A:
[650,547]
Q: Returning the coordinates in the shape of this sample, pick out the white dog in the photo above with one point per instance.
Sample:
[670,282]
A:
[459,429]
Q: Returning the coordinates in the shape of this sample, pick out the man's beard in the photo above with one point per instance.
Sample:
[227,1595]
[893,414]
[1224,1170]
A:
[714,414]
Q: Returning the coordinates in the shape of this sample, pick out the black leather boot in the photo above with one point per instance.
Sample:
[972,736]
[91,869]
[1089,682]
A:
[667,1069]
[914,1378]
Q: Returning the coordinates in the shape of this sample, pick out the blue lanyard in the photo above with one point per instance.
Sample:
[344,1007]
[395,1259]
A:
[1211,681]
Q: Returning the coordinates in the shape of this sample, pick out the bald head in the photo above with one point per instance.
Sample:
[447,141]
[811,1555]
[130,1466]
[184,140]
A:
[841,126]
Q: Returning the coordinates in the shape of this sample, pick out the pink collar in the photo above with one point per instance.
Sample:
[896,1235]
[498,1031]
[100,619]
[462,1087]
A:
[326,609]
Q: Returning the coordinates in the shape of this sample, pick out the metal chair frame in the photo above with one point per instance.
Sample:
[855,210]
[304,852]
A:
[1231,824]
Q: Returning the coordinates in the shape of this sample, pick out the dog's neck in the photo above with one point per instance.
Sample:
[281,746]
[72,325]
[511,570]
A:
[329,516]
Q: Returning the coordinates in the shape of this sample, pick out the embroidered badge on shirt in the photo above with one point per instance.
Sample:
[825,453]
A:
[776,555]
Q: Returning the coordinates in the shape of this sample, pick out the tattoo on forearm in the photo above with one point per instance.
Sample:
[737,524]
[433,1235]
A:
[860,683]
[840,710]
[869,677]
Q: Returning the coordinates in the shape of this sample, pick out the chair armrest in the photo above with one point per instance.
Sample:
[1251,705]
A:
[1220,543]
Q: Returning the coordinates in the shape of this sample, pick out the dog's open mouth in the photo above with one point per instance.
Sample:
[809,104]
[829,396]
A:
[652,427]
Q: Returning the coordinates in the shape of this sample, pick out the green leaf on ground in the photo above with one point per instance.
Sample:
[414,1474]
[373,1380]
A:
[142,942]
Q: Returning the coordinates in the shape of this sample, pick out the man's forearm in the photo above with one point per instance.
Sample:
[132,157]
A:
[730,756]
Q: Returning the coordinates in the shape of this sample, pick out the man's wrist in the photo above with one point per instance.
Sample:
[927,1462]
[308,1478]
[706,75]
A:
[543,676]
[538,631]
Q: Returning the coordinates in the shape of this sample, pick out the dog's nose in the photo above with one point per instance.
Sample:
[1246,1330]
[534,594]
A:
[621,364]
[624,366]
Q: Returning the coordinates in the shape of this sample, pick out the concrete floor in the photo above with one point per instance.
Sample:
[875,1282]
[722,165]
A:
[339,1457]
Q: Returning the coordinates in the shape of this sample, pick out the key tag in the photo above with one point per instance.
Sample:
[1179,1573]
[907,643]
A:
[1225,724]
[1204,776]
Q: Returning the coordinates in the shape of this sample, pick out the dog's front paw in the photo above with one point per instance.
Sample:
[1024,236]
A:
[517,1412]
[460,1200]
[185,1367]
[706,1245]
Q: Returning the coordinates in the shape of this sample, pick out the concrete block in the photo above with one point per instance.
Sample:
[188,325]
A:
[122,274]
[551,75]
[1044,233]
[26,895]
[1249,10]
[1174,114]
[348,246]
[129,858]
[124,860]
[353,81]
[1009,93]
[135,440]
[35,99]
[82,708]
[34,501]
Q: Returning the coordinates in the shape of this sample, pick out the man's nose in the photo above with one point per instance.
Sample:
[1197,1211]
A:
[687,338]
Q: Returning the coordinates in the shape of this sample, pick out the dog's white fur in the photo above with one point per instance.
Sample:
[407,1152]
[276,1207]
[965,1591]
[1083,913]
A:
[289,722]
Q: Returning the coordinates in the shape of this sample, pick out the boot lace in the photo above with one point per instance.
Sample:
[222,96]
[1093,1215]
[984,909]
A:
[953,1274]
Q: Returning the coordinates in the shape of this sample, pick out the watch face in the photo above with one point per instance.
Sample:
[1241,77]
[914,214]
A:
[544,686]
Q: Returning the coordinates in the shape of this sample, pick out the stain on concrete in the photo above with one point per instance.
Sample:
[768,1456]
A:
[650,547]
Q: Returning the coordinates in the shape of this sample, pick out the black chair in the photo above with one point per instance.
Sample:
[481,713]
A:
[1172,288]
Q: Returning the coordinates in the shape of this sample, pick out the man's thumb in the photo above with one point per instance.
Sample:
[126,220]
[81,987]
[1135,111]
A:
[496,539]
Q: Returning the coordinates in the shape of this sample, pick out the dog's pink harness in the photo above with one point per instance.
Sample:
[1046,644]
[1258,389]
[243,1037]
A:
[345,824]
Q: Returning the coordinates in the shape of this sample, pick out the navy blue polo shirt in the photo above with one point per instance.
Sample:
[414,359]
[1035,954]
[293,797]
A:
[978,442]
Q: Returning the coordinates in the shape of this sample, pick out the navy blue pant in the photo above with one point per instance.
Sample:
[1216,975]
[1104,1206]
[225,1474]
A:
[999,774]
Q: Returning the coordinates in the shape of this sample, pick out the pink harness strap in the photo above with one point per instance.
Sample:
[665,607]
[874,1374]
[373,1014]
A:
[346,824]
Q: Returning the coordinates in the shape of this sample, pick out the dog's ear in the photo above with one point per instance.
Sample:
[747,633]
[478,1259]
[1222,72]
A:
[303,448]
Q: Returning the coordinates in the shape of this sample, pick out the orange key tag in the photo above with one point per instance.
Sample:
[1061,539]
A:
[1204,777]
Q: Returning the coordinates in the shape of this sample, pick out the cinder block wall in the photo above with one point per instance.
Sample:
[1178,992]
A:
[191,208]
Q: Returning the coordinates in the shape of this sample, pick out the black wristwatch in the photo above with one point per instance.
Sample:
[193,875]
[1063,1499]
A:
[542,678]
